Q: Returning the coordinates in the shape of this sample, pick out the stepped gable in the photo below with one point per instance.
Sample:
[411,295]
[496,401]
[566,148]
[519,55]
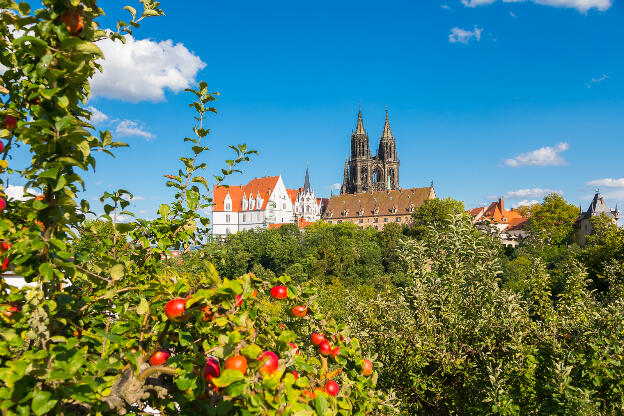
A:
[381,203]
[264,186]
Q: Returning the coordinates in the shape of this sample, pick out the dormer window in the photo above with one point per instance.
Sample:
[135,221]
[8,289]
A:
[228,206]
[410,208]
[376,211]
[393,210]
[360,212]
[345,212]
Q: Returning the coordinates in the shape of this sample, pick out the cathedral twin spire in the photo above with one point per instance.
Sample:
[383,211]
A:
[359,140]
[364,172]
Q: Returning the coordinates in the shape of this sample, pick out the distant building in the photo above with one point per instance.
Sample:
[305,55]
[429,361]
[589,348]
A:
[509,225]
[597,207]
[305,205]
[376,209]
[263,203]
[366,173]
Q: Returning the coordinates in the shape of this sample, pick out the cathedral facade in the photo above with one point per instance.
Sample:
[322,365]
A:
[366,173]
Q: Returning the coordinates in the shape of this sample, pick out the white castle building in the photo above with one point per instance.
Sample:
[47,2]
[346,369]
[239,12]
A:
[263,203]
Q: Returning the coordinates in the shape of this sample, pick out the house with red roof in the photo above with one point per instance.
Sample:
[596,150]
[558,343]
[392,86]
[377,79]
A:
[264,203]
[261,202]
[509,224]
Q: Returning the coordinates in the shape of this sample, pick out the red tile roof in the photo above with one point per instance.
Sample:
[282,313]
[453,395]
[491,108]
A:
[383,202]
[264,186]
[497,213]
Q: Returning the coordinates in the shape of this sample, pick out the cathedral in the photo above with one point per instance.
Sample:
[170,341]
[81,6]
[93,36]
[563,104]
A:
[366,173]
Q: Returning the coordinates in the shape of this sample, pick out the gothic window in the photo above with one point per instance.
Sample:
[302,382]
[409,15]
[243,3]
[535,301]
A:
[308,208]
[364,175]
[377,175]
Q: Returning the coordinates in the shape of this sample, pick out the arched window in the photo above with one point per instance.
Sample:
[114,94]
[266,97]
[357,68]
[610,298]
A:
[228,206]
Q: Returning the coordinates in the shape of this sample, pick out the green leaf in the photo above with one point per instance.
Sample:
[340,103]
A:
[163,210]
[228,377]
[117,272]
[320,404]
[251,351]
[143,307]
[42,402]
[82,46]
[132,11]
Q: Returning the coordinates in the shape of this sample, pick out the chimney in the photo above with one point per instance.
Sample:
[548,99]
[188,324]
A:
[501,204]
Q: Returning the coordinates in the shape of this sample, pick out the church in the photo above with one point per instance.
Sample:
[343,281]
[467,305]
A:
[365,173]
[370,195]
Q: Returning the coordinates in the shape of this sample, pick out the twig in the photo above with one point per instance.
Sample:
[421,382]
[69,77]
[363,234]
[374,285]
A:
[156,369]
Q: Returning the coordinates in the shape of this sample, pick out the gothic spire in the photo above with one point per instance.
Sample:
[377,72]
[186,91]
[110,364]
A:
[359,129]
[387,133]
[306,185]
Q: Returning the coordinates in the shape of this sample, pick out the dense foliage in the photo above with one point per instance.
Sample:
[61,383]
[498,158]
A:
[106,325]
[461,325]
[435,319]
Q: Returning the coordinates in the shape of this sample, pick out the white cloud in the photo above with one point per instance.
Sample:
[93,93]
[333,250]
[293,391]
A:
[96,115]
[525,203]
[544,156]
[607,183]
[464,36]
[15,192]
[128,128]
[142,69]
[446,7]
[512,14]
[532,193]
[580,5]
[335,186]
[137,198]
[597,80]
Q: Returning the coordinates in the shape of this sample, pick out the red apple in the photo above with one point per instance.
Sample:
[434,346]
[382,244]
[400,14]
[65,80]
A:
[160,357]
[1,146]
[317,338]
[299,311]
[10,122]
[325,348]
[367,367]
[237,363]
[335,352]
[239,300]
[9,311]
[295,374]
[5,246]
[294,347]
[269,361]
[73,22]
[279,292]
[2,204]
[175,308]
[331,387]
[211,369]
[5,264]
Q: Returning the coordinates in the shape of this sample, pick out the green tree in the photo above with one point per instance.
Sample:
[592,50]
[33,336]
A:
[552,221]
[435,212]
[82,338]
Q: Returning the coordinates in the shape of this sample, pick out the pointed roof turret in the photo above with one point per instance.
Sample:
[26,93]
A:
[306,184]
[387,133]
[359,129]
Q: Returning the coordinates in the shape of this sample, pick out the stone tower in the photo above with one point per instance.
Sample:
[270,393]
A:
[364,173]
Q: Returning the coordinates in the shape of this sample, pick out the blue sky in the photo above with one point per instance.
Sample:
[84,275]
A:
[487,98]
